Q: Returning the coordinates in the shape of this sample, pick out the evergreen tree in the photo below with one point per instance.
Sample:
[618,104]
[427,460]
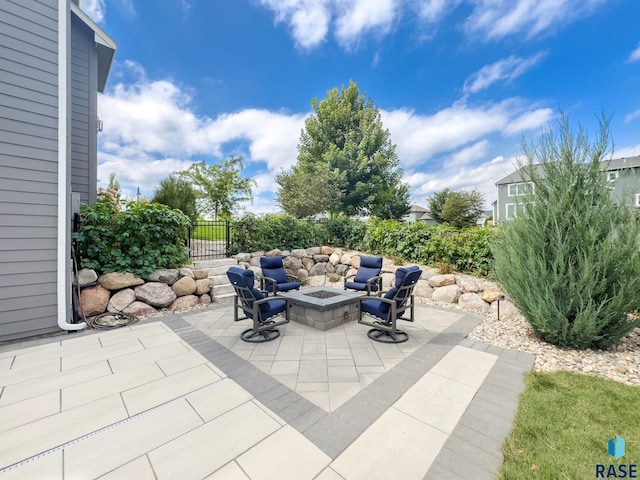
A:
[344,138]
[570,259]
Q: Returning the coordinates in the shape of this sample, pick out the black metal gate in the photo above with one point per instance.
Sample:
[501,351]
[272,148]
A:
[209,239]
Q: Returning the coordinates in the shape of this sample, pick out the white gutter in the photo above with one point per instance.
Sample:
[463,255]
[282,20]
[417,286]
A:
[64,223]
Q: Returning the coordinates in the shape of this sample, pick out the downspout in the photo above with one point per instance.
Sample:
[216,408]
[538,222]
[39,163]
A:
[64,223]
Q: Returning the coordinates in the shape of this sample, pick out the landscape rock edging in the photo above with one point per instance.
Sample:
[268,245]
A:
[170,289]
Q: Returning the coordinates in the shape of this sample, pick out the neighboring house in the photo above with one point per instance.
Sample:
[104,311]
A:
[622,173]
[54,62]
[419,214]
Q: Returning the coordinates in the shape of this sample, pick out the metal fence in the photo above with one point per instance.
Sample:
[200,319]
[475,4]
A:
[209,239]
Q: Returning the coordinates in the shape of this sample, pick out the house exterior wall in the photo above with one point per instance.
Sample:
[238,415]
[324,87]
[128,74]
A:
[84,66]
[623,189]
[627,186]
[28,167]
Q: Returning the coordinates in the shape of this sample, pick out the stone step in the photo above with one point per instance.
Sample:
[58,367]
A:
[225,299]
[215,271]
[219,279]
[222,289]
[220,262]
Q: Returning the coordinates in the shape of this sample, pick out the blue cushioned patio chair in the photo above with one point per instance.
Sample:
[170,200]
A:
[368,278]
[257,307]
[387,310]
[275,279]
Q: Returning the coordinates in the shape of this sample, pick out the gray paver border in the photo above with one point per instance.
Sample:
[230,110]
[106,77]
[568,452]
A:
[490,412]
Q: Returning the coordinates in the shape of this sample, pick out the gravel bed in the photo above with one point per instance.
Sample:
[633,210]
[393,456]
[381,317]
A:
[620,363]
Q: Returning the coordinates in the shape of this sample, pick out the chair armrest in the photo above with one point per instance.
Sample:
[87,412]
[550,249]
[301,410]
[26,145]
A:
[274,285]
[291,276]
[378,279]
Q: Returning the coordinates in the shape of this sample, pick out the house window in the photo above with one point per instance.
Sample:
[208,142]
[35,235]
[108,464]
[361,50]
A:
[518,189]
[612,176]
[511,211]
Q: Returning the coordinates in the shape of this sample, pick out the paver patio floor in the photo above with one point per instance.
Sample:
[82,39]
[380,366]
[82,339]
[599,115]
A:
[181,397]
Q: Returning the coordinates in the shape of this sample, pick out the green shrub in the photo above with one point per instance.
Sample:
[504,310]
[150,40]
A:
[261,233]
[139,239]
[344,232]
[465,250]
[570,260]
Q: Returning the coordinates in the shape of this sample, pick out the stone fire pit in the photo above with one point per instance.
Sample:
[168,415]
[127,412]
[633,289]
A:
[323,307]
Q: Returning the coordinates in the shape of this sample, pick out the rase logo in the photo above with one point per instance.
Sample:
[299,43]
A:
[616,449]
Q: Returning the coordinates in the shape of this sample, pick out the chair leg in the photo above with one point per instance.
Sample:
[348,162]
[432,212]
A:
[387,336]
[260,336]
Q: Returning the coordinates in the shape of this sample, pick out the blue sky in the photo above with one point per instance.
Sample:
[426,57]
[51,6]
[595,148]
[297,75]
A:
[459,83]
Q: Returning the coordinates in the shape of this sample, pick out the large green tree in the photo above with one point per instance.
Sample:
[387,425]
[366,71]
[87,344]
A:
[305,191]
[178,194]
[459,209]
[570,260]
[344,139]
[220,187]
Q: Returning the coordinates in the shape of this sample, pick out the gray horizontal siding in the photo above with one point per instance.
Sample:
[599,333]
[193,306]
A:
[20,256]
[14,138]
[28,167]
[27,221]
[83,112]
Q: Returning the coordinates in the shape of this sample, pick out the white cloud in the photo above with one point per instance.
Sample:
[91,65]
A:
[94,8]
[627,152]
[308,19]
[419,137]
[357,17]
[635,55]
[151,130]
[496,19]
[136,169]
[631,116]
[481,177]
[311,21]
[507,70]
[432,11]
[529,121]
[467,155]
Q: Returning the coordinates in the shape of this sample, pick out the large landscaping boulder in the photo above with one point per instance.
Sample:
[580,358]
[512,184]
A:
[447,294]
[490,295]
[121,300]
[318,269]
[442,280]
[168,276]
[473,302]
[156,294]
[86,276]
[184,303]
[203,286]
[184,286]
[94,300]
[118,281]
[139,309]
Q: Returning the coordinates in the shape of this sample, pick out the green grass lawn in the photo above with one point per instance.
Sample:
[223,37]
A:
[563,424]
[218,233]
